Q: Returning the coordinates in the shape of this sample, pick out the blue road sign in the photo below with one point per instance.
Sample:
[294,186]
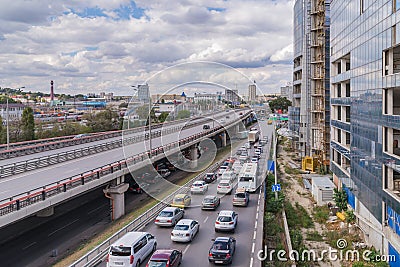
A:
[271,166]
[276,188]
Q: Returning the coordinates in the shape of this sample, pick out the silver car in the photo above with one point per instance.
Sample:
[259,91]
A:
[169,216]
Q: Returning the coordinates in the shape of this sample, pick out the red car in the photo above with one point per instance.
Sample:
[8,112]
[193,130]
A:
[165,258]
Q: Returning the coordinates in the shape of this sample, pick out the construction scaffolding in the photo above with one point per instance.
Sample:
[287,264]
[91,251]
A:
[318,69]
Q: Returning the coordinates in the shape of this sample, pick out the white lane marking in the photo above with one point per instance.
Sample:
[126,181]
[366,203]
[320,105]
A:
[255,225]
[251,262]
[205,219]
[256,216]
[59,229]
[94,210]
[254,235]
[187,247]
[253,248]
[28,246]
[258,209]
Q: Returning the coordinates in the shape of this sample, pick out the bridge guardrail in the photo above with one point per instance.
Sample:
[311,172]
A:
[17,202]
[36,163]
[96,255]
[35,146]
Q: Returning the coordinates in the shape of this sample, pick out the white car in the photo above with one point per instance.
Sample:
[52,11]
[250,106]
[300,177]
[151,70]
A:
[222,169]
[226,221]
[247,145]
[237,166]
[229,175]
[199,187]
[169,216]
[224,187]
[185,230]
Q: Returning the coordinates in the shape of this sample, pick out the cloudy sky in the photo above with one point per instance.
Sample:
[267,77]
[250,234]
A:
[109,45]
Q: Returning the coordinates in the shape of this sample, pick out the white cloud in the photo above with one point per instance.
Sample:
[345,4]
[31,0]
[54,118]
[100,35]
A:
[43,40]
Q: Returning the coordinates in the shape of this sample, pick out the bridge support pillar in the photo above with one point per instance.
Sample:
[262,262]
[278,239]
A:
[117,200]
[223,139]
[193,156]
[47,212]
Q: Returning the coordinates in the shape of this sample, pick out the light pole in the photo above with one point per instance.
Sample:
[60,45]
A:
[137,89]
[8,118]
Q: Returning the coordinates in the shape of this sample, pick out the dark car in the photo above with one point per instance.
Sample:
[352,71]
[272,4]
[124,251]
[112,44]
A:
[210,202]
[210,177]
[206,127]
[134,187]
[222,250]
[165,258]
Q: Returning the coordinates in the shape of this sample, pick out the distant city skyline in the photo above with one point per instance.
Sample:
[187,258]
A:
[110,45]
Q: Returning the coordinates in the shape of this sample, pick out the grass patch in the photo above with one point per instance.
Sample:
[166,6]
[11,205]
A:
[114,227]
[289,170]
[297,216]
[321,214]
[314,236]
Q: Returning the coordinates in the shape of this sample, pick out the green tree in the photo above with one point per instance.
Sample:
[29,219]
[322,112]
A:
[3,99]
[163,116]
[281,103]
[340,198]
[183,114]
[106,120]
[28,124]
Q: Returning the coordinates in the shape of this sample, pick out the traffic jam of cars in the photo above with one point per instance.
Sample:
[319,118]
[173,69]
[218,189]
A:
[236,175]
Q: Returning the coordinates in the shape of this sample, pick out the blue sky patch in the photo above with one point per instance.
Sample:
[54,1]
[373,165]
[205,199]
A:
[218,9]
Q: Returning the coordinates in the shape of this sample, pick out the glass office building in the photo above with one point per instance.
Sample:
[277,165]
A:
[365,115]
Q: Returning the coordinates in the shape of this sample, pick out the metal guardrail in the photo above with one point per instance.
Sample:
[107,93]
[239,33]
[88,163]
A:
[36,163]
[40,146]
[96,256]
[17,202]
[35,146]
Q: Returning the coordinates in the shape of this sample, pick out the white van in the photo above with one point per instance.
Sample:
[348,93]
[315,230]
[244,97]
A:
[131,250]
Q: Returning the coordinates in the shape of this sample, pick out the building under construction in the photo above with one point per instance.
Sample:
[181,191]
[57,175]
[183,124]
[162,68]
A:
[310,114]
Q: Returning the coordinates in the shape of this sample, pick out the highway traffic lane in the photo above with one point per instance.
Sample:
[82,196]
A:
[4,162]
[39,243]
[25,182]
[196,252]
[93,204]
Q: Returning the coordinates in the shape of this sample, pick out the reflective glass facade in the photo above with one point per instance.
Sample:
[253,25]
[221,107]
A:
[361,30]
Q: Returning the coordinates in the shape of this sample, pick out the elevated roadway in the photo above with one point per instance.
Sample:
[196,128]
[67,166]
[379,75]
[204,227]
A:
[27,193]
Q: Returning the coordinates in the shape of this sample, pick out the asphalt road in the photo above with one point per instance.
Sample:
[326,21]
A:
[195,253]
[28,181]
[31,242]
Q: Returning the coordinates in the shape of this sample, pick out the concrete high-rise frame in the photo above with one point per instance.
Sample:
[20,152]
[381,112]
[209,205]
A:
[310,114]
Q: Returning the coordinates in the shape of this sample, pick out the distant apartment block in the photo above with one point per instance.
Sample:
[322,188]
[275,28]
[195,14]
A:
[365,123]
[252,92]
[310,112]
